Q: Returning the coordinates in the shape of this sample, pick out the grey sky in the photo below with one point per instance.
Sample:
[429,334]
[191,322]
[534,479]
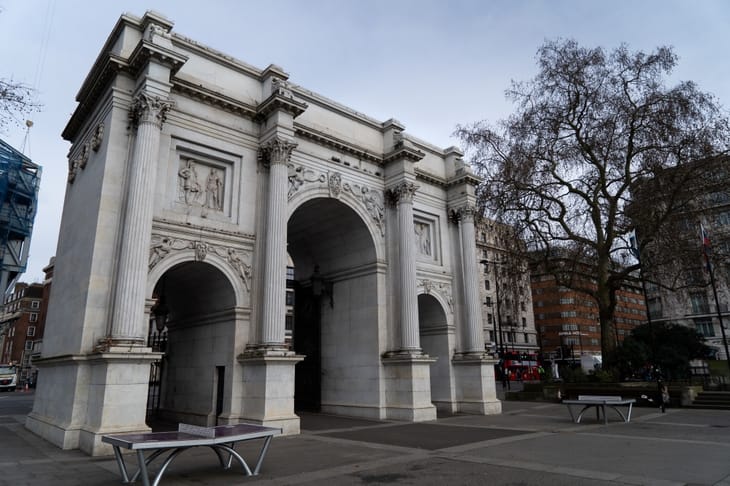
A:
[430,64]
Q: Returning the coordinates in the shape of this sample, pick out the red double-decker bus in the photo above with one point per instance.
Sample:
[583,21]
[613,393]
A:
[521,366]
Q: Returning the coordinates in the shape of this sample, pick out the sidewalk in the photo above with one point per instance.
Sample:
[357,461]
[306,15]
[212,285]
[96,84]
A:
[530,443]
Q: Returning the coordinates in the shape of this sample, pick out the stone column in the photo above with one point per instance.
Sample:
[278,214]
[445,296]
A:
[410,340]
[128,324]
[276,153]
[474,334]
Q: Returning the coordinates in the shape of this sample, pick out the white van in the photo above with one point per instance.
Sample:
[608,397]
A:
[8,378]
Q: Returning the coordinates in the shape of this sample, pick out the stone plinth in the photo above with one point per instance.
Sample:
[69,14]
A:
[408,388]
[268,389]
[475,385]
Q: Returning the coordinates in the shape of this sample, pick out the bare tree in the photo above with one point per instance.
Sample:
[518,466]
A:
[16,100]
[587,128]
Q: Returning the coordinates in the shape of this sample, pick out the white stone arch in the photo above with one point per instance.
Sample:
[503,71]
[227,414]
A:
[242,296]
[441,293]
[312,191]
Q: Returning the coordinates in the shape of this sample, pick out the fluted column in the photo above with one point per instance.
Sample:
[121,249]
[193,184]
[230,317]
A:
[276,153]
[474,334]
[410,340]
[128,323]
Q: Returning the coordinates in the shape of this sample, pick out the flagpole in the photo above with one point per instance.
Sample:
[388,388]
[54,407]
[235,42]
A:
[705,243]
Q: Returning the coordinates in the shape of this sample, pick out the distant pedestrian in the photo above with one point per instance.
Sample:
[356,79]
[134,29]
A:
[505,378]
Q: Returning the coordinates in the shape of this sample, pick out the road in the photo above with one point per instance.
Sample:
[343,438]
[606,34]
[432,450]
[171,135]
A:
[16,403]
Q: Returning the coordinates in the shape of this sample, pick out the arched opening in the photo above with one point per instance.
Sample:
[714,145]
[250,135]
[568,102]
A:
[198,321]
[335,325]
[436,341]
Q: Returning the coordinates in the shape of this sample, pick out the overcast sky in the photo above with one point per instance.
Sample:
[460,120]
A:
[430,64]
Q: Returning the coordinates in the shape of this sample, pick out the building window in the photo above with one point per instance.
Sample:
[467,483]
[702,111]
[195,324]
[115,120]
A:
[488,302]
[36,304]
[594,342]
[289,323]
[527,338]
[290,273]
[33,317]
[28,345]
[289,297]
[704,327]
[31,331]
[567,300]
[568,314]
[486,284]
[699,303]
[524,322]
[490,319]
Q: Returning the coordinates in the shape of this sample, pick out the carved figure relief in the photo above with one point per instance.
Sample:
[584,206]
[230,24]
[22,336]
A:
[189,185]
[208,195]
[423,238]
[242,268]
[162,246]
[335,184]
[214,191]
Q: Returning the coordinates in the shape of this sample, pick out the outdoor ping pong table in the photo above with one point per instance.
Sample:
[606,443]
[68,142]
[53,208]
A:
[222,439]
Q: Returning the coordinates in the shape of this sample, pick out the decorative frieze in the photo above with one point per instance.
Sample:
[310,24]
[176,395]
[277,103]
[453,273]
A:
[371,199]
[162,246]
[428,286]
[79,163]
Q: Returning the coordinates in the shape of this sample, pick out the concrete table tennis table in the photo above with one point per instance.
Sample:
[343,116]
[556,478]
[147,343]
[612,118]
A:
[222,439]
[600,403]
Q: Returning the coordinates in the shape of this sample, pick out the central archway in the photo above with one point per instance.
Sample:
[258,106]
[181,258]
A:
[336,321]
[197,369]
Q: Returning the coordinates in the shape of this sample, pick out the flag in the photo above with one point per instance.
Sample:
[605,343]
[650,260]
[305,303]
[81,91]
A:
[706,246]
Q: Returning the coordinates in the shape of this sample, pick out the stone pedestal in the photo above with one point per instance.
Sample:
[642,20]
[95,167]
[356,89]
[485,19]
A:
[92,395]
[268,389]
[475,385]
[408,387]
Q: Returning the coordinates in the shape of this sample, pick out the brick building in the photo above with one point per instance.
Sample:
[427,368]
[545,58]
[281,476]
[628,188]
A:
[567,320]
[20,326]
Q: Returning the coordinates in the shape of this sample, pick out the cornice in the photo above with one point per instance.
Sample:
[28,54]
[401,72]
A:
[465,177]
[205,95]
[278,102]
[146,50]
[96,82]
[430,178]
[404,151]
[335,143]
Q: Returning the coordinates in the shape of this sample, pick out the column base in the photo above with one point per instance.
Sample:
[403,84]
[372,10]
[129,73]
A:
[408,387]
[476,391]
[268,387]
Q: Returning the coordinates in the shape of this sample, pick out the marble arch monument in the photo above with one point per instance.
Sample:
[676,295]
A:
[195,179]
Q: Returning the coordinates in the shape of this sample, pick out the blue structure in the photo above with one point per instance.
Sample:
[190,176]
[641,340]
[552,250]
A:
[19,183]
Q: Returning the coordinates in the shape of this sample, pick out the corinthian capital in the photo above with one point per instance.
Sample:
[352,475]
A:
[276,151]
[149,109]
[403,192]
[465,213]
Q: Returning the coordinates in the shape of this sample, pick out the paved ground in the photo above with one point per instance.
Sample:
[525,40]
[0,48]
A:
[531,443]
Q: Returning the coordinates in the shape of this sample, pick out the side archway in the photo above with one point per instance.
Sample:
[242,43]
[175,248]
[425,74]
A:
[437,340]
